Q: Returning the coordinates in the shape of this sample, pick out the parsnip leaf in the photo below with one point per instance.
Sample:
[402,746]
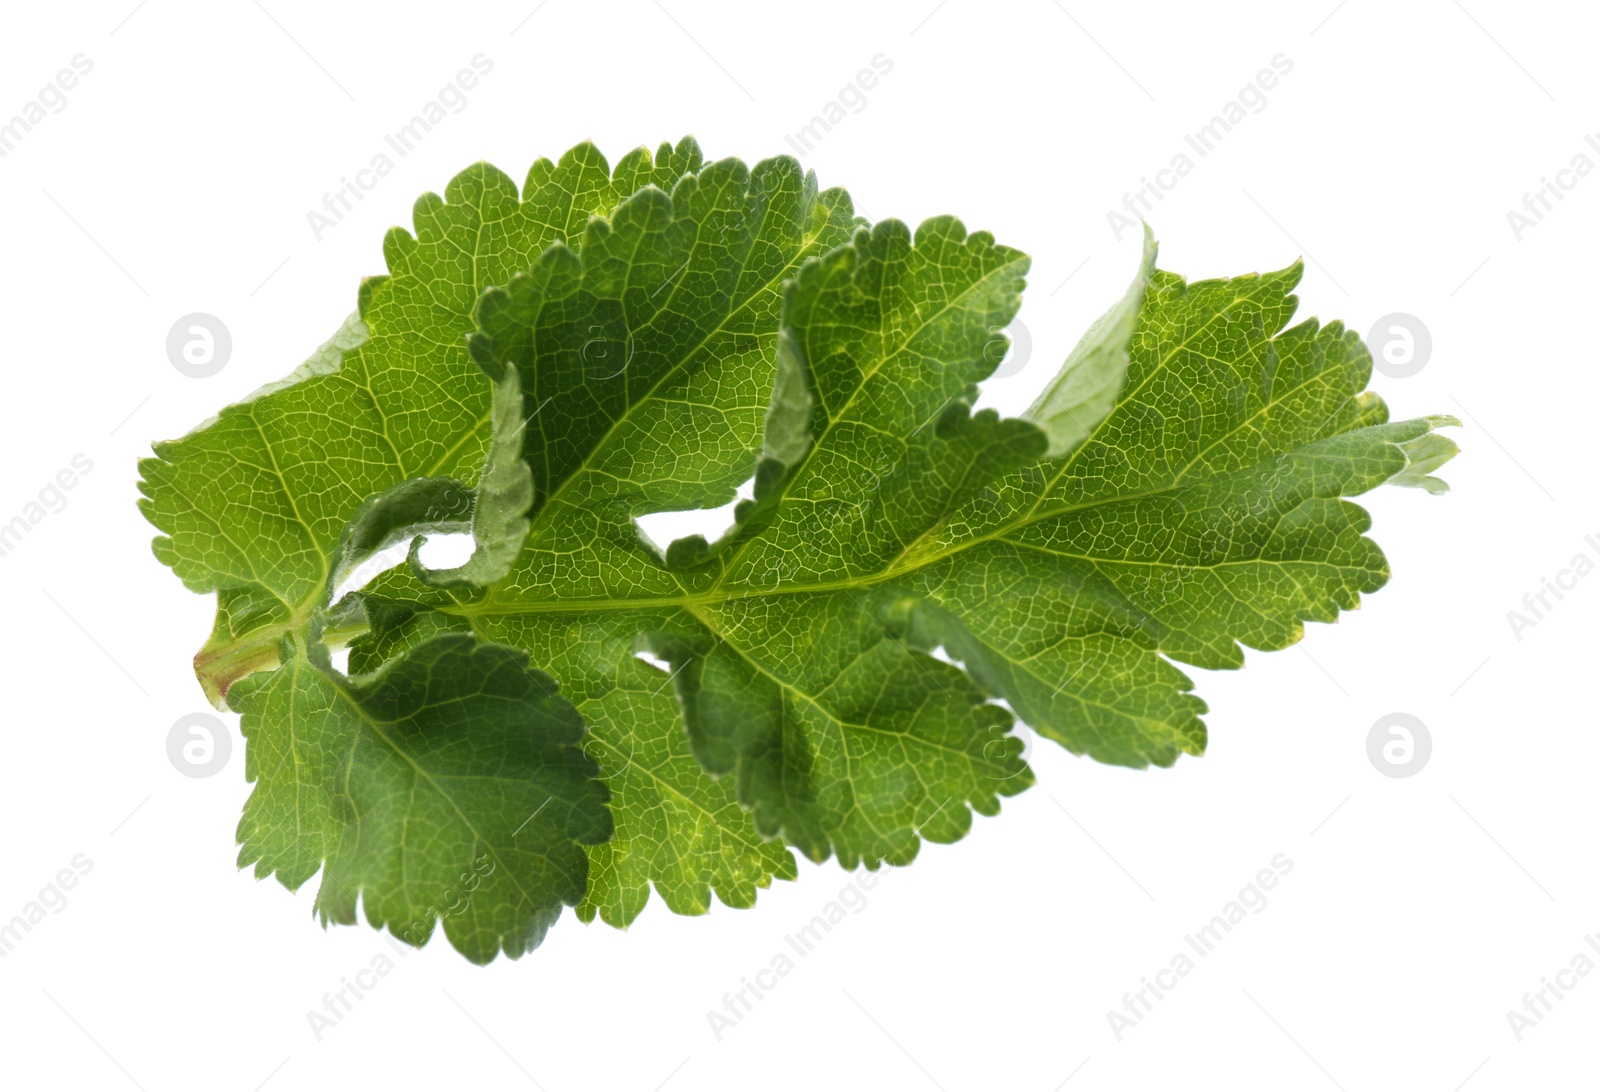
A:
[839,672]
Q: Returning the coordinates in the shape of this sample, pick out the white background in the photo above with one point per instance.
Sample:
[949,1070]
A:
[1419,910]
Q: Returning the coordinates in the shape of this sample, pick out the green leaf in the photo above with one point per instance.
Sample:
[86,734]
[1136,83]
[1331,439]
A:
[677,830]
[837,673]
[646,354]
[838,736]
[646,348]
[447,785]
[500,505]
[1203,513]
[495,515]
[1425,453]
[679,314]
[252,502]
[1090,381]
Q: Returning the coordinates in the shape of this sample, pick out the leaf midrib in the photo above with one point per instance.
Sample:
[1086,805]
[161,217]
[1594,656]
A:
[716,596]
